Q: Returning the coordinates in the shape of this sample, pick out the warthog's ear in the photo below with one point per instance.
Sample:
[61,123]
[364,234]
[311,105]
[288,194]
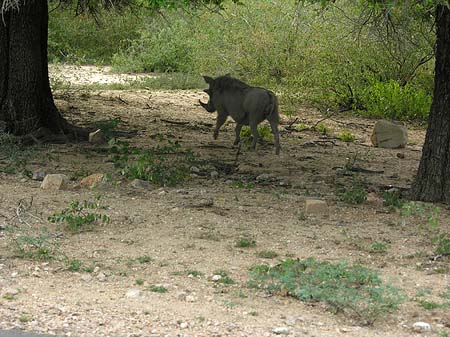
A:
[208,80]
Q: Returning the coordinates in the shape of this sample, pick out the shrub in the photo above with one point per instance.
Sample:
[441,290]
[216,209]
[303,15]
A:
[351,289]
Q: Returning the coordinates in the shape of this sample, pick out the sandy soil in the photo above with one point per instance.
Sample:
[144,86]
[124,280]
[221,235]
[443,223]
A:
[195,227]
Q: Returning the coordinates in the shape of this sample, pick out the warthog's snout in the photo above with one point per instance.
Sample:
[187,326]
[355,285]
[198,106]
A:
[245,104]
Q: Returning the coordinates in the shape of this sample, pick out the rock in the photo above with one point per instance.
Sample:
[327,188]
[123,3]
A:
[92,180]
[182,296]
[316,207]
[283,330]
[214,174]
[133,293]
[38,175]
[389,135]
[194,169]
[216,278]
[97,137]
[264,177]
[86,277]
[54,182]
[421,327]
[184,325]
[190,298]
[141,184]
[101,277]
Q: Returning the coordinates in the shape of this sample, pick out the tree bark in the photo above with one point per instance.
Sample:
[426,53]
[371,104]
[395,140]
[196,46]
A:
[432,182]
[26,101]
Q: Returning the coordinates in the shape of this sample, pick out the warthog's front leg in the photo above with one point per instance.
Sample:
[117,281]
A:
[219,122]
[237,140]
[254,131]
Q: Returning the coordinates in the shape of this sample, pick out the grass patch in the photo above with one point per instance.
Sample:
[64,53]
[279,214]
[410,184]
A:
[353,290]
[158,289]
[267,254]
[224,277]
[245,243]
[165,164]
[77,216]
[144,259]
[353,195]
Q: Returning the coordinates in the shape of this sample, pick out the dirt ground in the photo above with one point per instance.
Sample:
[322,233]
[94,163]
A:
[195,226]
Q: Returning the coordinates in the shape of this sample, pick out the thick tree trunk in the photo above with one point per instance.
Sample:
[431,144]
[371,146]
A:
[432,182]
[26,101]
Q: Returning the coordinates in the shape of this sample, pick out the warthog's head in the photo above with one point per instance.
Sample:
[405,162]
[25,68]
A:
[210,105]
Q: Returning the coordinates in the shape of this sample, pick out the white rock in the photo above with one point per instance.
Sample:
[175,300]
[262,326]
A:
[184,325]
[86,277]
[389,135]
[421,327]
[133,293]
[190,298]
[282,330]
[54,182]
[194,169]
[216,278]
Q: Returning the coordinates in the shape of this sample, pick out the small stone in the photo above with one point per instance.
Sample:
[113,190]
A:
[92,180]
[184,325]
[141,184]
[96,269]
[14,274]
[216,278]
[401,155]
[190,298]
[182,296]
[86,277]
[101,277]
[264,177]
[421,327]
[214,174]
[283,330]
[194,169]
[97,137]
[389,135]
[133,293]
[316,207]
[38,175]
[54,182]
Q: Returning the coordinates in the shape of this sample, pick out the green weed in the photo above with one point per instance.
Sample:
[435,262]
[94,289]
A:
[378,247]
[158,289]
[77,216]
[245,243]
[351,289]
[353,195]
[347,137]
[224,277]
[144,259]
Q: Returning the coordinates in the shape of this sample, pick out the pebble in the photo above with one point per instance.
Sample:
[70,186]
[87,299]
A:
[194,169]
[190,298]
[133,293]
[86,277]
[214,174]
[421,327]
[184,325]
[216,278]
[283,330]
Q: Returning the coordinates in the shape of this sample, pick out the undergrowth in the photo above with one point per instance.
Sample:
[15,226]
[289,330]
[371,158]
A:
[353,290]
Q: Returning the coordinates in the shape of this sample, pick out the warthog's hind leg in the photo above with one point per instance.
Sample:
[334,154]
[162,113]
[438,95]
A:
[276,136]
[254,131]
[237,140]
[219,122]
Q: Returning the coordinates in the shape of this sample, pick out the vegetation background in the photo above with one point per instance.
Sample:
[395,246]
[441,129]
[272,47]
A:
[333,59]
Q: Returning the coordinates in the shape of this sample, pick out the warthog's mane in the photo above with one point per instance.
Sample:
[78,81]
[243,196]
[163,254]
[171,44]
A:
[226,83]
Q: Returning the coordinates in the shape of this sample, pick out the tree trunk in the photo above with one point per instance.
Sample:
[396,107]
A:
[432,182]
[26,101]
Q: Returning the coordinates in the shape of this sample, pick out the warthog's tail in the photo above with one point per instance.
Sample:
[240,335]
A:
[272,109]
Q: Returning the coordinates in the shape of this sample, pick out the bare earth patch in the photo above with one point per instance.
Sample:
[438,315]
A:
[190,231]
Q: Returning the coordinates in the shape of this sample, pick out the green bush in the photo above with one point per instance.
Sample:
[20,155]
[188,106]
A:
[390,100]
[351,289]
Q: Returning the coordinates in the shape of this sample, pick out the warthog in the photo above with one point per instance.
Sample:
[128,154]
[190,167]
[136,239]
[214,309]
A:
[245,104]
